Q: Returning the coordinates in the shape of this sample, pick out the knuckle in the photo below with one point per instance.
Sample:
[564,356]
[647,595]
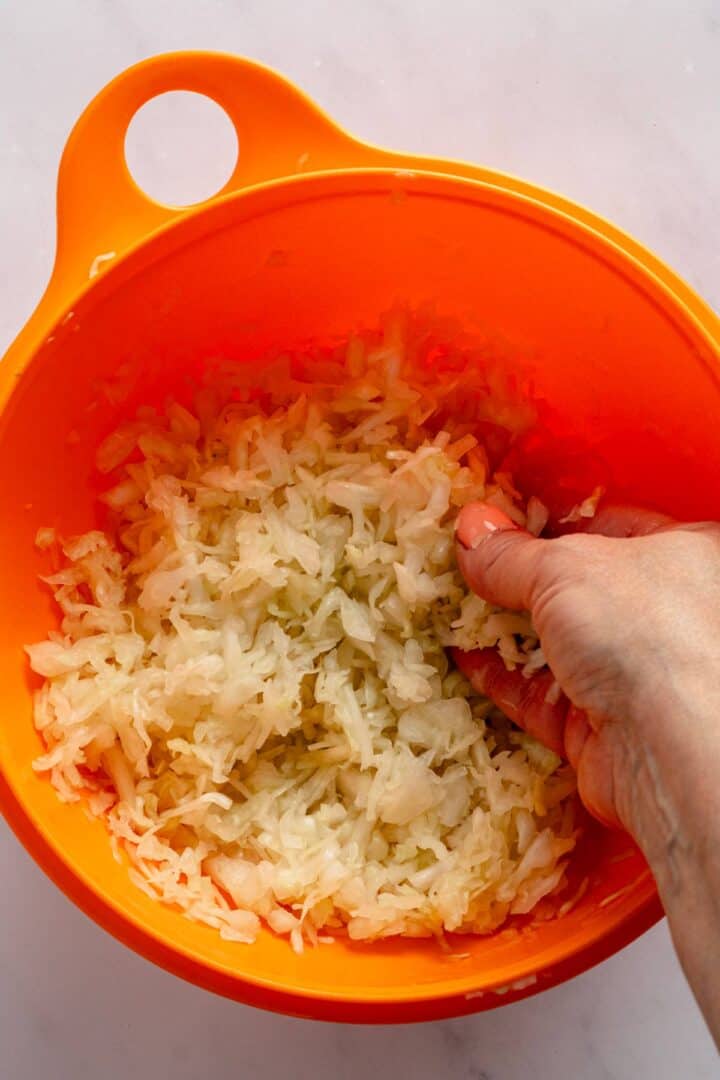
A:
[577,546]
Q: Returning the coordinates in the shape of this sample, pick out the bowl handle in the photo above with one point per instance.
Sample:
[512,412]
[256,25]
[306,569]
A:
[102,212]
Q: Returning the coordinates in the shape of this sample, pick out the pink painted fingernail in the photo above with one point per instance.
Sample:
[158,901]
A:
[477,521]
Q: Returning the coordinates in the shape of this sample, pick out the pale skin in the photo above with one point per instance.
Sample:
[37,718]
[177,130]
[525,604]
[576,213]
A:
[628,615]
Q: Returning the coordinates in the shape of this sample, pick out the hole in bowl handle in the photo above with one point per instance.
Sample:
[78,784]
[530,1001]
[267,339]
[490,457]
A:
[102,212]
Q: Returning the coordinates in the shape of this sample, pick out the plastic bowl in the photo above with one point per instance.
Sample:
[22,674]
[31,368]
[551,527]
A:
[316,234]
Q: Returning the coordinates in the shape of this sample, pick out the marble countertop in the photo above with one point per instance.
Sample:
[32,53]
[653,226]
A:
[615,105]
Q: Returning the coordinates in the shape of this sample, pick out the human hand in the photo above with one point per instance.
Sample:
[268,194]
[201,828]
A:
[628,616]
[629,621]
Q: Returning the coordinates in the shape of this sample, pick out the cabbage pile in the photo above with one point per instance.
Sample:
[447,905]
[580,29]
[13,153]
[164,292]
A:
[250,683]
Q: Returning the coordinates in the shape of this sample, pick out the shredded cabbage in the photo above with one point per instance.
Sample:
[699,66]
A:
[250,682]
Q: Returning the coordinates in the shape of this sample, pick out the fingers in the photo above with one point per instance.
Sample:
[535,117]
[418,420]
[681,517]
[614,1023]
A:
[577,732]
[556,724]
[595,774]
[560,726]
[509,567]
[625,521]
[498,560]
[502,562]
[524,701]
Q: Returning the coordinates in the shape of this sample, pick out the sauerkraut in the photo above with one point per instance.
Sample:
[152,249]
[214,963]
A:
[250,681]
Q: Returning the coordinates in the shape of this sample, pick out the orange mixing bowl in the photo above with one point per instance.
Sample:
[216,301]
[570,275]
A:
[314,235]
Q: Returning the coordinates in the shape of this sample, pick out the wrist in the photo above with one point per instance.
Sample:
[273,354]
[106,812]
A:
[668,797]
[667,790]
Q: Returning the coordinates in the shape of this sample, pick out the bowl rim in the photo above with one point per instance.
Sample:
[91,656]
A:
[437,1000]
[643,908]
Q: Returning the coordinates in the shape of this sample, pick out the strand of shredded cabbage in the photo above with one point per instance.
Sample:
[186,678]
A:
[250,682]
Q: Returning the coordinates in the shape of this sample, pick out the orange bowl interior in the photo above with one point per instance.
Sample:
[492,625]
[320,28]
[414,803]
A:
[627,393]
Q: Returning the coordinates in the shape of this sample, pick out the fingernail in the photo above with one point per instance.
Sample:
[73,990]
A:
[479,520]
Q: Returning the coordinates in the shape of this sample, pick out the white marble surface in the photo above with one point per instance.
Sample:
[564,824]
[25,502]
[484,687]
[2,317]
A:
[615,104]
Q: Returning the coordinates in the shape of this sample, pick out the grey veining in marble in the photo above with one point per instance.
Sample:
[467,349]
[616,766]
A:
[615,104]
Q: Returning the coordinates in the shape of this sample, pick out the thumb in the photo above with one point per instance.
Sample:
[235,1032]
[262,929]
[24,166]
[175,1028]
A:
[499,561]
